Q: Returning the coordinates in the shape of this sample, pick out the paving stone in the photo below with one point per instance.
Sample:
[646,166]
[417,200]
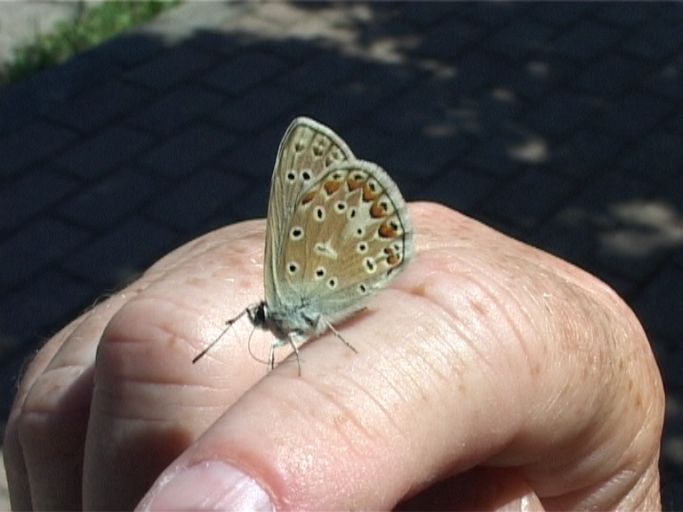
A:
[560,113]
[40,243]
[627,14]
[131,49]
[102,204]
[459,188]
[659,309]
[175,109]
[586,40]
[659,157]
[76,76]
[49,299]
[177,26]
[425,14]
[492,155]
[585,153]
[369,142]
[422,155]
[448,39]
[528,200]
[666,81]
[121,254]
[238,75]
[657,40]
[196,199]
[560,13]
[252,205]
[192,148]
[345,105]
[257,108]
[253,156]
[427,104]
[634,230]
[45,139]
[33,192]
[493,15]
[566,239]
[21,105]
[611,75]
[99,154]
[633,115]
[171,68]
[519,37]
[319,73]
[99,106]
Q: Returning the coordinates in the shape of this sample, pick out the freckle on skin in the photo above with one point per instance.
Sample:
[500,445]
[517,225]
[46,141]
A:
[420,291]
[479,308]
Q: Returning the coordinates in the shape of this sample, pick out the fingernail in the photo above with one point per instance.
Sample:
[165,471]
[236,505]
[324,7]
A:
[211,485]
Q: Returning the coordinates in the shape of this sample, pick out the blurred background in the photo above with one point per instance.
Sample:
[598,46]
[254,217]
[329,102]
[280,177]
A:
[560,124]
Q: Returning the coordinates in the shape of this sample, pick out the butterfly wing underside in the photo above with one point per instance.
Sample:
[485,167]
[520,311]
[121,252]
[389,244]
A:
[348,237]
[307,150]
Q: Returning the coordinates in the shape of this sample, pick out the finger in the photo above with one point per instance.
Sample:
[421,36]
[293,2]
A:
[477,489]
[51,413]
[15,466]
[150,401]
[469,359]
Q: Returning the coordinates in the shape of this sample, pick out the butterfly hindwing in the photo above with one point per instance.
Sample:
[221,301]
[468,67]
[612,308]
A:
[348,237]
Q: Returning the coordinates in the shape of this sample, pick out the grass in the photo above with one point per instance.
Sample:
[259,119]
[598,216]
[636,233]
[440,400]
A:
[92,26]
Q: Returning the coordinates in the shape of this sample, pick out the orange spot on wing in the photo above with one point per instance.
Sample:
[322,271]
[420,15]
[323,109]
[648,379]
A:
[331,187]
[354,184]
[393,260]
[368,193]
[309,197]
[387,230]
[377,211]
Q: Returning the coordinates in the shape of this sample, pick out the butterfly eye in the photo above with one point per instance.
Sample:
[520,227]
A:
[291,176]
[296,233]
[340,206]
[292,267]
[306,175]
[352,213]
[319,213]
[362,247]
[360,232]
[332,283]
[320,273]
[362,289]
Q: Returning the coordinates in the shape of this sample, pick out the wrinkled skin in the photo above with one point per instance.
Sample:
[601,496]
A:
[489,375]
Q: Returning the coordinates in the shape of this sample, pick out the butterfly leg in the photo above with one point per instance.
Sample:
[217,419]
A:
[271,357]
[292,343]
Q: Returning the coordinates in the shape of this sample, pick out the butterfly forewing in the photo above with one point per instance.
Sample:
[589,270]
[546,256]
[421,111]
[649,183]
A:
[348,237]
[307,150]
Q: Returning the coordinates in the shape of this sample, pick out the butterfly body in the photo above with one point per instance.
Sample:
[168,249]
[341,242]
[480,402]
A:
[337,232]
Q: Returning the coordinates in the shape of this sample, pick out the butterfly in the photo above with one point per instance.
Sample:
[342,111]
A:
[337,233]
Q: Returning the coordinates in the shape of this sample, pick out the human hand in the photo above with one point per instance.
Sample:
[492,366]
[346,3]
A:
[488,375]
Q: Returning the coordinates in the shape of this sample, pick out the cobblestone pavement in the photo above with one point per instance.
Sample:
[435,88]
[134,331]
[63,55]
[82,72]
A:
[560,124]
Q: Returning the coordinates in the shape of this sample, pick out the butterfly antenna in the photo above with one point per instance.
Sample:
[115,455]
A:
[228,325]
[338,335]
